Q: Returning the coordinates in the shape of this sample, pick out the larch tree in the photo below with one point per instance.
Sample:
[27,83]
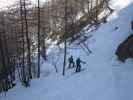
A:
[38,74]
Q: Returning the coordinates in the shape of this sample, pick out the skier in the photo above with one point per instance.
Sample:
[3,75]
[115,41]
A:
[71,62]
[78,64]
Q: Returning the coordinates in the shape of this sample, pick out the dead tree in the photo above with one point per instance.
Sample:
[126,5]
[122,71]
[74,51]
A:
[65,42]
[27,40]
[23,41]
[38,73]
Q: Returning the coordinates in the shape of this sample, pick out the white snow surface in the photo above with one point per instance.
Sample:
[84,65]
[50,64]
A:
[103,78]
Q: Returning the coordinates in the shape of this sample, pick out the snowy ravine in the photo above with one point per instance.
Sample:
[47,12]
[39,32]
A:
[104,78]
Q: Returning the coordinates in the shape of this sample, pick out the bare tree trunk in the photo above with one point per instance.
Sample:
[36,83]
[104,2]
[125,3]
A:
[65,47]
[38,74]
[44,49]
[2,53]
[97,10]
[28,42]
[23,42]
[64,64]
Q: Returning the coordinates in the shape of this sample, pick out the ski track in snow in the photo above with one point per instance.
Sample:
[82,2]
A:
[104,78]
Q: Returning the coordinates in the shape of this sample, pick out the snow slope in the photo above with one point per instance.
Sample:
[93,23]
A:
[103,78]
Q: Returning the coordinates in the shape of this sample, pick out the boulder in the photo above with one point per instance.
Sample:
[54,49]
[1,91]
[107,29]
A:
[125,49]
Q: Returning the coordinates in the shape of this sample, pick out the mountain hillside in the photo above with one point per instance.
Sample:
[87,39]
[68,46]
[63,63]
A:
[103,77]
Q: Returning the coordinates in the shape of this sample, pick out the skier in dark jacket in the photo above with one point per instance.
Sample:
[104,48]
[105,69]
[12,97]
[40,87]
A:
[78,64]
[71,62]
